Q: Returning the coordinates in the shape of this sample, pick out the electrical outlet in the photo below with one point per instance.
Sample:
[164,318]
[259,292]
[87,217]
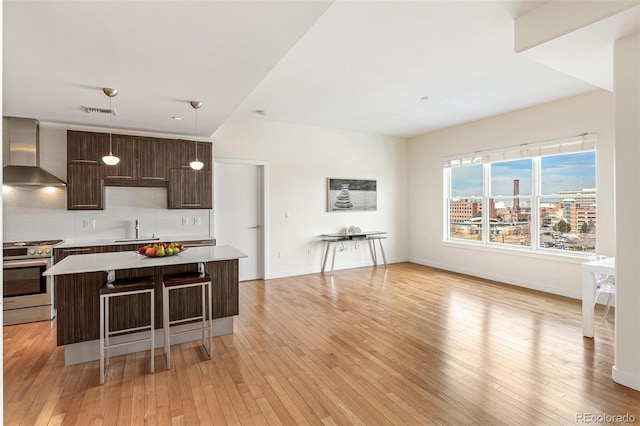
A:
[287,215]
[309,252]
[279,255]
[197,221]
[185,221]
[89,223]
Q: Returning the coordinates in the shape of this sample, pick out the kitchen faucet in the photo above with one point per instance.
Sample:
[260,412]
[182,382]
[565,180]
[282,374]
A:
[137,229]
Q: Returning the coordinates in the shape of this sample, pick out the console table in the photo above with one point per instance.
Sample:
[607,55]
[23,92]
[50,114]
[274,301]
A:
[371,238]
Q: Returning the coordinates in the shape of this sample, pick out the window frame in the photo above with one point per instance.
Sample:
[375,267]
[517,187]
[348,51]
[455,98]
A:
[535,197]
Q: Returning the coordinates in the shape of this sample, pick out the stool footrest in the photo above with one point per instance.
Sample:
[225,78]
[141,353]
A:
[192,330]
[186,320]
[128,342]
[129,330]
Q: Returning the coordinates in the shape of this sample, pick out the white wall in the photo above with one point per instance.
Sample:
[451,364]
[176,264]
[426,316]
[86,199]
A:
[39,213]
[300,159]
[590,113]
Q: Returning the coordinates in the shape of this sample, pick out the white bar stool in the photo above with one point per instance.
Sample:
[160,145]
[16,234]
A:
[185,280]
[122,288]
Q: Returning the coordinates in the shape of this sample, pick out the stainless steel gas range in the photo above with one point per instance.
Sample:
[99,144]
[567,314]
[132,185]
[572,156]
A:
[28,296]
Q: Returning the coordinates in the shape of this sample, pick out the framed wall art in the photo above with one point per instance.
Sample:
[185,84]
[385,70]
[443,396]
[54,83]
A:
[349,195]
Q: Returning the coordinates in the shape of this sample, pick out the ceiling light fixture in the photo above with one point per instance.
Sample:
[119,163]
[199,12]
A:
[424,98]
[178,118]
[110,160]
[196,164]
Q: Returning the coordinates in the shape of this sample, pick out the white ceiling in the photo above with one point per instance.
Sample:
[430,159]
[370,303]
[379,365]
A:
[354,65]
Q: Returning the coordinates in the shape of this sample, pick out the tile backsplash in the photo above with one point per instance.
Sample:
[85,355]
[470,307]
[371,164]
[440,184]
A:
[35,213]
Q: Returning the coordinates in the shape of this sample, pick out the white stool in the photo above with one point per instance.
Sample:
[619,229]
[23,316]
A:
[185,280]
[122,288]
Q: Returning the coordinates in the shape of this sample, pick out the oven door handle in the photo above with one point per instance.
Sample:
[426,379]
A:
[24,264]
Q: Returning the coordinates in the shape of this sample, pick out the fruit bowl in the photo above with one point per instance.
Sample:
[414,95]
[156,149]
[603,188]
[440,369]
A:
[160,249]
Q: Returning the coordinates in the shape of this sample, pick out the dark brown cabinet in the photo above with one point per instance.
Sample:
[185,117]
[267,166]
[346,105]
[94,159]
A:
[183,152]
[123,147]
[143,162]
[85,186]
[189,189]
[77,295]
[153,159]
[86,147]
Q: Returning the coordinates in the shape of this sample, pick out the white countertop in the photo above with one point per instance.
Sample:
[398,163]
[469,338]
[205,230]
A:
[141,241]
[81,263]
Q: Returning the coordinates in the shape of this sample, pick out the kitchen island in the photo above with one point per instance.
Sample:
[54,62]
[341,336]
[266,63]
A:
[79,277]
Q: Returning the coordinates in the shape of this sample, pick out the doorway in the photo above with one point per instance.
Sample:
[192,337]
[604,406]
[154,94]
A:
[239,211]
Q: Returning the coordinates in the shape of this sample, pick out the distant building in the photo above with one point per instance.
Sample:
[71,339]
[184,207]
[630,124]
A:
[464,209]
[578,208]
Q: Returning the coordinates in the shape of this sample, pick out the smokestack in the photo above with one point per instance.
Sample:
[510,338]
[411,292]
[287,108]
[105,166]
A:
[516,192]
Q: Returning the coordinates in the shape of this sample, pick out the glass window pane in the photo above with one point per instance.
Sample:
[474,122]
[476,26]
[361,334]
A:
[568,173]
[466,181]
[510,220]
[511,177]
[465,218]
[567,224]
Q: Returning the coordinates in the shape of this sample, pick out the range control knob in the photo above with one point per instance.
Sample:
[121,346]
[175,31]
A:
[39,251]
[47,251]
[32,251]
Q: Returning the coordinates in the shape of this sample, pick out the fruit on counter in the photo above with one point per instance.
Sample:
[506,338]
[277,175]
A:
[160,249]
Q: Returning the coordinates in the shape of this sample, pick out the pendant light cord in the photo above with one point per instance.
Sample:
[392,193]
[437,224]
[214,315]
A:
[110,128]
[196,134]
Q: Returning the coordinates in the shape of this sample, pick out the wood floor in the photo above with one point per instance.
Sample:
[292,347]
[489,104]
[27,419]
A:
[411,345]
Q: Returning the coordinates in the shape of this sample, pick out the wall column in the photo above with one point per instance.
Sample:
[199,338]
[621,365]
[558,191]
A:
[626,369]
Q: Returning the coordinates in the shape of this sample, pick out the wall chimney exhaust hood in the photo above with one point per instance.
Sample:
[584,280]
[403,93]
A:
[22,138]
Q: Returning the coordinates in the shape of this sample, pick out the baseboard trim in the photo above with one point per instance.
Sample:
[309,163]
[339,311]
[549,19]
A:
[499,278]
[625,379]
[318,269]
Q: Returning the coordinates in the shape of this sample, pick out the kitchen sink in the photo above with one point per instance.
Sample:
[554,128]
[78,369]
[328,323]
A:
[136,240]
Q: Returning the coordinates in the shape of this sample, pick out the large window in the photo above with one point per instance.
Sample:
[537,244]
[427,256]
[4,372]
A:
[543,202]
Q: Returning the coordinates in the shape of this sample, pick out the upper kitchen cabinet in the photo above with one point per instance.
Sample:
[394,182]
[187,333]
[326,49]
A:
[153,159]
[123,147]
[86,147]
[85,186]
[143,162]
[182,152]
[189,189]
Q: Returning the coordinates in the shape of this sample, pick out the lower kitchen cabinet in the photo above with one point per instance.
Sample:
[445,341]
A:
[78,305]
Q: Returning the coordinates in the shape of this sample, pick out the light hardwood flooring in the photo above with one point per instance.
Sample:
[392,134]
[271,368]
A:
[411,345]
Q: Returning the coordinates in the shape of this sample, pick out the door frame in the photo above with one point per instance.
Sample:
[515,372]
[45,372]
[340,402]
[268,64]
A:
[264,229]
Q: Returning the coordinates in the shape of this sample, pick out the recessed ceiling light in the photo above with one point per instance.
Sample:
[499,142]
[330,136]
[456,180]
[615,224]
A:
[260,112]
[424,98]
[178,118]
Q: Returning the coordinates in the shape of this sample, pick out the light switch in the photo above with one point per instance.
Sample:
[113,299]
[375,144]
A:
[197,221]
[185,221]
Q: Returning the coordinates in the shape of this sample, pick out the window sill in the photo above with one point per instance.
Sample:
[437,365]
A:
[561,256]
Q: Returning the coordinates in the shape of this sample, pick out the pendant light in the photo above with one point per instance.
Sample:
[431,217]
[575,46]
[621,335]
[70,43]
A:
[110,160]
[196,164]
